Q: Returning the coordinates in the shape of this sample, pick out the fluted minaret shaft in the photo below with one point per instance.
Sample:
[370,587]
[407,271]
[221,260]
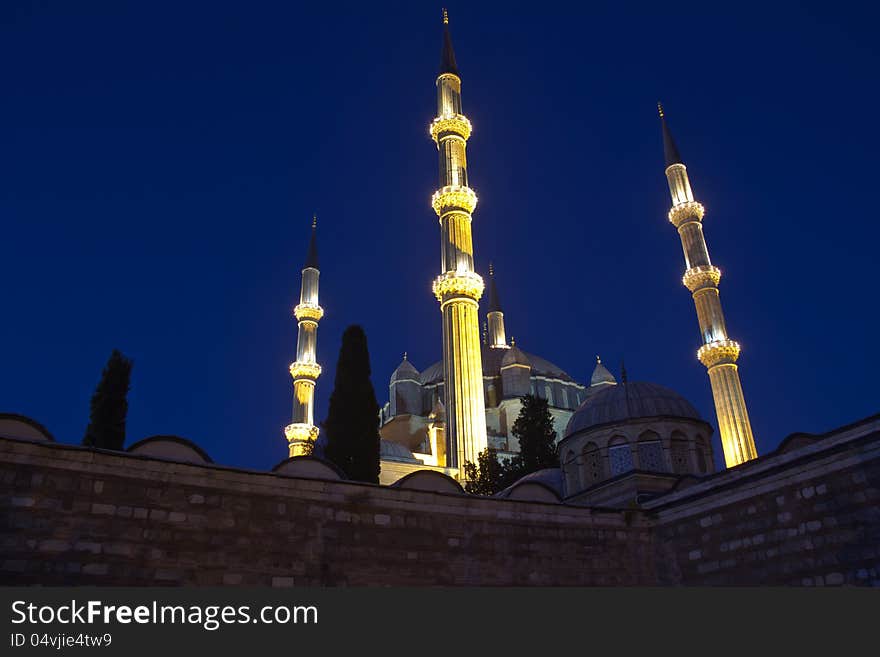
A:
[718,352]
[302,432]
[459,287]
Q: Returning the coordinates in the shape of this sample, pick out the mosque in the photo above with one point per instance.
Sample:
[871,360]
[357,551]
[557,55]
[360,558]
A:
[635,500]
[446,414]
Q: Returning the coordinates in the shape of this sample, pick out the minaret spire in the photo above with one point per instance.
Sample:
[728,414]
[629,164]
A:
[447,55]
[302,432]
[719,353]
[670,150]
[495,316]
[459,287]
[312,255]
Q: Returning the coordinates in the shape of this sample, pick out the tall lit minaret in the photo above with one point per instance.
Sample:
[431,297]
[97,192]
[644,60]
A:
[458,288]
[718,353]
[302,432]
[495,316]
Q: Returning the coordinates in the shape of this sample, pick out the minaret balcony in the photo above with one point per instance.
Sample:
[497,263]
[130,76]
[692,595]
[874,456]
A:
[455,123]
[458,284]
[305,370]
[454,197]
[308,311]
[299,432]
[720,352]
[687,211]
[703,276]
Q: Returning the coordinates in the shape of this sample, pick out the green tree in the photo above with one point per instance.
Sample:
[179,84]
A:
[537,437]
[352,427]
[487,476]
[109,405]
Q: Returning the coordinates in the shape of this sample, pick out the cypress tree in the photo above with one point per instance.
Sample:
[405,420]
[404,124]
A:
[352,424]
[537,437]
[109,405]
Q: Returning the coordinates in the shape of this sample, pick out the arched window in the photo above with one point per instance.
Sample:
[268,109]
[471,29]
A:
[572,476]
[679,450]
[619,456]
[651,452]
[592,467]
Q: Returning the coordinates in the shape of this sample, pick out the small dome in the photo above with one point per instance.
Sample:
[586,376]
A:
[392,451]
[174,448]
[515,356]
[405,371]
[627,401]
[601,375]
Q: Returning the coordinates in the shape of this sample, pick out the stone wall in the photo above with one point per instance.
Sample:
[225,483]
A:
[807,514]
[70,515]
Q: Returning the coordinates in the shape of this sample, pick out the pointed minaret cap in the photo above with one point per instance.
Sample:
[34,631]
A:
[447,56]
[601,375]
[312,255]
[670,150]
[494,305]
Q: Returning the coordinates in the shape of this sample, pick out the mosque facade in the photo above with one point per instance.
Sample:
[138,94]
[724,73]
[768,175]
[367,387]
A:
[446,414]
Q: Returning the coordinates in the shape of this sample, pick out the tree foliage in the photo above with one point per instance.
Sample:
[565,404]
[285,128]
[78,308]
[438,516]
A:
[109,405]
[537,442]
[537,437]
[489,475]
[351,427]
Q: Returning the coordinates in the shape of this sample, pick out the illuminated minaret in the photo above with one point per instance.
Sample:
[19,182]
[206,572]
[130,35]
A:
[458,288]
[718,353]
[302,432]
[495,317]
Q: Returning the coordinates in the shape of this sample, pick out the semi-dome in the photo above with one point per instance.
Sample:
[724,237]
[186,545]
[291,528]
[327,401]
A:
[405,371]
[393,451]
[629,401]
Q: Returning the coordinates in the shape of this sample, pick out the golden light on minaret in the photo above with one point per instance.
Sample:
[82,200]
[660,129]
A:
[718,353]
[459,287]
[302,432]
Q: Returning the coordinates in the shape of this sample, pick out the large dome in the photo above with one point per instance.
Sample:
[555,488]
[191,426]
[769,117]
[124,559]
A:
[492,367]
[627,401]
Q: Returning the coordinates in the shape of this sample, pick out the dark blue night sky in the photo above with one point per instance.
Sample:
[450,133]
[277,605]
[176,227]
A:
[160,164]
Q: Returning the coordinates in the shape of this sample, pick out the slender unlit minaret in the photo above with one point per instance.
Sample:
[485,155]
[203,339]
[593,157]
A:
[459,287]
[302,432]
[495,316]
[718,353]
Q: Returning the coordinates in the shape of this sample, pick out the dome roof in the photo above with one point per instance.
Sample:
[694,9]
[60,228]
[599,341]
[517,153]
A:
[628,401]
[405,371]
[601,374]
[492,361]
[515,356]
[392,451]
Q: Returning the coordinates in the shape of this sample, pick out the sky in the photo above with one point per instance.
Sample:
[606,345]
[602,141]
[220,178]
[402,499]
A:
[161,162]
